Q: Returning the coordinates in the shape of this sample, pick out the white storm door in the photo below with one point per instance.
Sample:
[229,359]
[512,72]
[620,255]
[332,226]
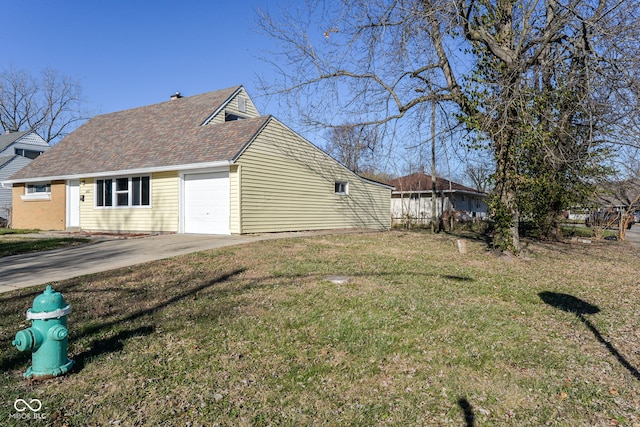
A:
[73,203]
[206,203]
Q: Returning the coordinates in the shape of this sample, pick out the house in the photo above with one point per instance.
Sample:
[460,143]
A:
[609,197]
[411,199]
[17,149]
[207,164]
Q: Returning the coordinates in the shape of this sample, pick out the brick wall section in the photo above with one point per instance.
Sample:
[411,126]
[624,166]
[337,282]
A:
[40,214]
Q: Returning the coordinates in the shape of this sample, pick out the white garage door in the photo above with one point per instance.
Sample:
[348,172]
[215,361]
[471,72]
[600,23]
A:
[206,203]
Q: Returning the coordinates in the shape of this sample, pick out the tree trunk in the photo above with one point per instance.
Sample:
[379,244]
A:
[505,210]
[515,221]
[435,218]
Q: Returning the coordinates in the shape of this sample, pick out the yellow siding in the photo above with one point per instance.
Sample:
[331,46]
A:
[234,208]
[250,109]
[232,107]
[161,216]
[288,184]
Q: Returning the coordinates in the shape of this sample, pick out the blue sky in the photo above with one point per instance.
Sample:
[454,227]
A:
[132,53]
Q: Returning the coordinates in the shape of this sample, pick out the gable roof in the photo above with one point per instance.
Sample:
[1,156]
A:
[421,182]
[9,138]
[155,136]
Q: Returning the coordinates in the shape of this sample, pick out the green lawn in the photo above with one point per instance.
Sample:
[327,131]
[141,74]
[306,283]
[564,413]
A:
[419,335]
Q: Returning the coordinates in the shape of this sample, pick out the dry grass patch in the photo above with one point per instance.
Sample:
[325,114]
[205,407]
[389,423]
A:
[22,244]
[419,335]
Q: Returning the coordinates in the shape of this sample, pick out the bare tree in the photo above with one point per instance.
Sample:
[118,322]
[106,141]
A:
[479,173]
[354,146]
[51,105]
[535,80]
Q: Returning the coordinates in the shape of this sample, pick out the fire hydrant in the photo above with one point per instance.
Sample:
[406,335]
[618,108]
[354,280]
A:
[47,336]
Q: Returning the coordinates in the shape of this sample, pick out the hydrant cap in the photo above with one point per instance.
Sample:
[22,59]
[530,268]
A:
[48,301]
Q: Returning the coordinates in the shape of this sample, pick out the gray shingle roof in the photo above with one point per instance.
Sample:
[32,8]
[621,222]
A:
[159,135]
[6,159]
[9,138]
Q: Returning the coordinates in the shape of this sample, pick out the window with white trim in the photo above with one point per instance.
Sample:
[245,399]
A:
[341,187]
[123,192]
[38,188]
[37,191]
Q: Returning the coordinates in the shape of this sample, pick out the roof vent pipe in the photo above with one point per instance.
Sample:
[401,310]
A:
[176,95]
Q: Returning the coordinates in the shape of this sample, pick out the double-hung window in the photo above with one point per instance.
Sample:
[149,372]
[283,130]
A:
[140,191]
[104,192]
[123,192]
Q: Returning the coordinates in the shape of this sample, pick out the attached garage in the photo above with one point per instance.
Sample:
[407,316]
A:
[206,203]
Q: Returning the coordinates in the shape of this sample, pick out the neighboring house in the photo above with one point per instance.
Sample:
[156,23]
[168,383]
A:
[17,149]
[411,199]
[611,196]
[206,164]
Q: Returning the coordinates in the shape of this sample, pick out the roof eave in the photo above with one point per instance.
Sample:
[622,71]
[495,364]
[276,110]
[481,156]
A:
[135,171]
[473,193]
[373,181]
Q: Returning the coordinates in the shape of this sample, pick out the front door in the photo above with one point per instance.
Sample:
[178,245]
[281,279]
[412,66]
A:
[73,203]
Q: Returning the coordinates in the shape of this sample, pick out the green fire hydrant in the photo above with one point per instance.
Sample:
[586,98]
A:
[47,336]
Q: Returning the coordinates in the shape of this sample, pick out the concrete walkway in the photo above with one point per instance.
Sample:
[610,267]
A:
[38,268]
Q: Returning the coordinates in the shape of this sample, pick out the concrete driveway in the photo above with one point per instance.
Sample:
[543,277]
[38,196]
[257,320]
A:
[20,271]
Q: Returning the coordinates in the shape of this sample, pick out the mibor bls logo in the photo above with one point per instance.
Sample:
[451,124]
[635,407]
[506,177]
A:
[27,410]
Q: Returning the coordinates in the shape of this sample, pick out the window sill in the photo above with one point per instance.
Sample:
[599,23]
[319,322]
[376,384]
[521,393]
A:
[34,197]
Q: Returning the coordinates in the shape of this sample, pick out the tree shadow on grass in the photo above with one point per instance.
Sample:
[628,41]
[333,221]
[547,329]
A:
[111,344]
[189,292]
[458,278]
[579,308]
[467,410]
